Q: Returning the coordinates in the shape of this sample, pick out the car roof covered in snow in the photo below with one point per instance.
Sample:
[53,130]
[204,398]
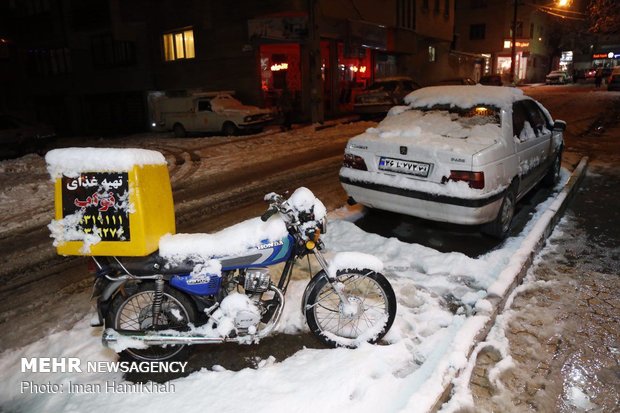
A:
[464,96]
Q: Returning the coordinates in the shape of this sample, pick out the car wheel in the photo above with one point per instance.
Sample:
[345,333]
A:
[553,174]
[179,130]
[229,129]
[500,226]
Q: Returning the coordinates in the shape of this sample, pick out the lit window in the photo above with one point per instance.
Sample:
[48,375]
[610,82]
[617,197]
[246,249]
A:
[179,45]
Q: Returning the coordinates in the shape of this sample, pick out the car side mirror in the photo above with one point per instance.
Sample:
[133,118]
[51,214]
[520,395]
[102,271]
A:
[559,125]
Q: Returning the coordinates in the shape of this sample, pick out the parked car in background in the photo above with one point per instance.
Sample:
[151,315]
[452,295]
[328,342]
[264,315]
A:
[382,94]
[557,77]
[456,154]
[217,112]
[19,136]
[613,82]
[456,81]
[491,80]
[584,74]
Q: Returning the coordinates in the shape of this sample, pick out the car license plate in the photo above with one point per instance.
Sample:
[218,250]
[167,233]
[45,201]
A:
[405,167]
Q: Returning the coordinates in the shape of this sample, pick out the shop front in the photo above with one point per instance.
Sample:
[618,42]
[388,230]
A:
[503,60]
[606,60]
[352,55]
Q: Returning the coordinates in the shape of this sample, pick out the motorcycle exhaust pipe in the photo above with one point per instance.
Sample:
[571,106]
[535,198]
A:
[112,337]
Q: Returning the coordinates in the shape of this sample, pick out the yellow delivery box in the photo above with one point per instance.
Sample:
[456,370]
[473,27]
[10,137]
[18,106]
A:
[110,201]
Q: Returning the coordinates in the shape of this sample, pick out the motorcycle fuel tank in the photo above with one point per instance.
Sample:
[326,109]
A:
[265,254]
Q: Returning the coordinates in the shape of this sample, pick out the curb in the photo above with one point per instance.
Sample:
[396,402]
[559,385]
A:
[511,277]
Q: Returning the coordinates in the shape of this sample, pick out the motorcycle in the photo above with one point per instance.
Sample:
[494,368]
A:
[198,289]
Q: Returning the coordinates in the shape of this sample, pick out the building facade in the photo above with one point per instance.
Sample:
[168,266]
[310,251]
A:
[485,27]
[89,66]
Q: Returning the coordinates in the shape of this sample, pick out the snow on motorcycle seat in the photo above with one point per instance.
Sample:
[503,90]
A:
[110,201]
[245,239]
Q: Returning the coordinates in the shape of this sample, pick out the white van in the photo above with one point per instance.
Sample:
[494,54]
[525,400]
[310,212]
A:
[208,112]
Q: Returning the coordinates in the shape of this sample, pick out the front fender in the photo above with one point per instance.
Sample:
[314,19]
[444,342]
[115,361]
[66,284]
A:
[313,281]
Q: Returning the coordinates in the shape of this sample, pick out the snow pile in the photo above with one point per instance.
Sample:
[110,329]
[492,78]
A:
[241,237]
[227,242]
[354,260]
[72,162]
[69,229]
[429,127]
[464,96]
[303,200]
[224,320]
[202,272]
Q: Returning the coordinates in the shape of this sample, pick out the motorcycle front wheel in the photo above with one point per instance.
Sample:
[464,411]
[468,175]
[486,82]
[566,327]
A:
[133,311]
[366,317]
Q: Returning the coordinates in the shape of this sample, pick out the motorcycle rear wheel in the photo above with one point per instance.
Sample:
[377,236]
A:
[367,316]
[134,311]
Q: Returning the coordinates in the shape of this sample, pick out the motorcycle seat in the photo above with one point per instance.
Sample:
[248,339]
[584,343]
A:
[148,265]
[231,242]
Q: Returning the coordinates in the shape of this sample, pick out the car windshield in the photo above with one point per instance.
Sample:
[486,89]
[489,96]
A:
[475,125]
[467,117]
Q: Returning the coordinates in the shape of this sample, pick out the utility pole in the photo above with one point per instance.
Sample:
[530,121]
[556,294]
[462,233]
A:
[513,55]
[314,49]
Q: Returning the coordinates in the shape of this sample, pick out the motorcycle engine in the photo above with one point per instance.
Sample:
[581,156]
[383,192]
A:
[256,280]
[247,320]
[237,313]
[243,312]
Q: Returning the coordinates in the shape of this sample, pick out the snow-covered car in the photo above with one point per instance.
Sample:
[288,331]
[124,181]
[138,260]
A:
[458,154]
[557,77]
[382,94]
[208,112]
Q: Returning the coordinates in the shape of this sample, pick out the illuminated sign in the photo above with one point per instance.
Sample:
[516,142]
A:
[356,69]
[610,55]
[518,43]
[279,66]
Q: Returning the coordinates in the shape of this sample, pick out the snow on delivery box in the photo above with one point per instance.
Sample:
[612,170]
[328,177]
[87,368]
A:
[110,201]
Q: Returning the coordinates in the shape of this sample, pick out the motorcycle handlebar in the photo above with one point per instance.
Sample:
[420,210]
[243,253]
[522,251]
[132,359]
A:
[269,213]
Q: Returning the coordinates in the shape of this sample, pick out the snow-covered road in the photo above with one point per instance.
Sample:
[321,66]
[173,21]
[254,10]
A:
[425,340]
[438,293]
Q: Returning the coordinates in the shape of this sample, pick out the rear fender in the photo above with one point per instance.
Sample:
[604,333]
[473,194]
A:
[104,294]
[110,290]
